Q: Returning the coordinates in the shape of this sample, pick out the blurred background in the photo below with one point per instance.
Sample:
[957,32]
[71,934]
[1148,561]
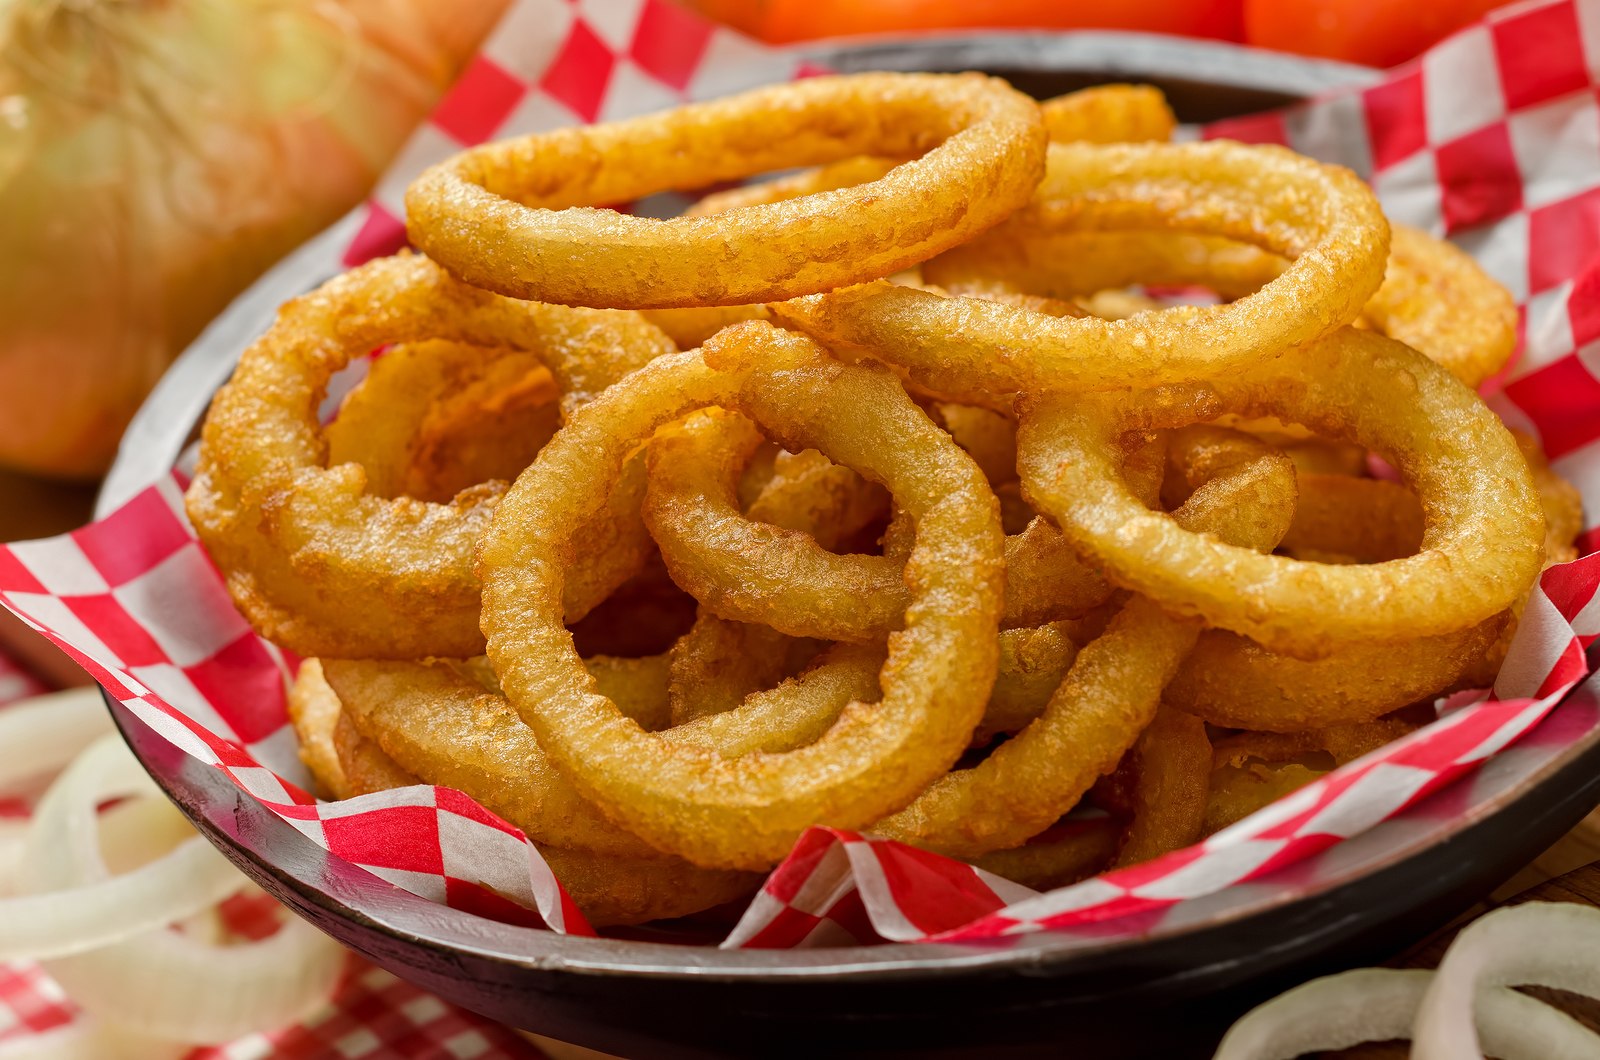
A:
[1371,32]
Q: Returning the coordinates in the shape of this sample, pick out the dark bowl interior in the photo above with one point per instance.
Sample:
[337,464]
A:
[1028,997]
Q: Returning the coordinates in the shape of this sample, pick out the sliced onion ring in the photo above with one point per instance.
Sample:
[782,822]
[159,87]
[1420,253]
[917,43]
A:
[75,904]
[42,734]
[1550,944]
[151,983]
[134,977]
[1379,1004]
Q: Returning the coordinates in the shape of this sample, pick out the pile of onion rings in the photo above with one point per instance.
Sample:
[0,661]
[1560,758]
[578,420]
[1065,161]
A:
[896,494]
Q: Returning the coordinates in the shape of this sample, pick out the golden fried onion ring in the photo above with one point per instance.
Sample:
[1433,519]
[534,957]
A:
[316,562]
[313,712]
[1049,861]
[1109,114]
[1171,779]
[1251,769]
[1232,681]
[1434,296]
[1322,217]
[1481,550]
[714,666]
[1229,680]
[747,570]
[746,812]
[516,216]
[1103,114]
[434,418]
[1108,698]
[1359,520]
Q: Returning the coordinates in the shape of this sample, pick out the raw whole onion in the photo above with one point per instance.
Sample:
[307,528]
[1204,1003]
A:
[156,155]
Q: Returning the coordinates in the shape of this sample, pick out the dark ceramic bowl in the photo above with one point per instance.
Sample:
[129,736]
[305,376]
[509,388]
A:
[1169,993]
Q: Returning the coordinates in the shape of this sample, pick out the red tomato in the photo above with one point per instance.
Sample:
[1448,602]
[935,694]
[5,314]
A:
[1374,32]
[782,21]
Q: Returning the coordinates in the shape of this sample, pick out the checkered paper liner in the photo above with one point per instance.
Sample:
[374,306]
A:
[1493,139]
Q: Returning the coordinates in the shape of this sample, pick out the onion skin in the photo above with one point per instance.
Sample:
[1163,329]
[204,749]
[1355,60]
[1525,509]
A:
[131,214]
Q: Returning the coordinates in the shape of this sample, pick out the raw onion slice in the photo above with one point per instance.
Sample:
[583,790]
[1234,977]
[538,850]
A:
[72,902]
[1550,944]
[42,734]
[101,895]
[177,987]
[113,952]
[1381,1004]
[87,1040]
[12,834]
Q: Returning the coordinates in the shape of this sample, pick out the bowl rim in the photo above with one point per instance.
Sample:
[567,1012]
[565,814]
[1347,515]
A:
[162,427]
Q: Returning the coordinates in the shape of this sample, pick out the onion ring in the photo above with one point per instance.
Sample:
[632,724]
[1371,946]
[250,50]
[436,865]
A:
[1171,779]
[1236,792]
[749,571]
[434,418]
[845,173]
[1033,663]
[1549,944]
[1231,681]
[363,764]
[42,734]
[988,437]
[1321,216]
[1048,861]
[810,494]
[1102,114]
[1381,1004]
[747,812]
[1228,680]
[437,720]
[714,666]
[1251,769]
[1108,698]
[981,145]
[71,908]
[1560,499]
[323,567]
[1481,551]
[1109,114]
[1342,744]
[1361,520]
[314,711]
[122,961]
[691,326]
[1434,297]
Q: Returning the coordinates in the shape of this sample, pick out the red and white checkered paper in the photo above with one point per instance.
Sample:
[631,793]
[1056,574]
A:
[1493,138]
